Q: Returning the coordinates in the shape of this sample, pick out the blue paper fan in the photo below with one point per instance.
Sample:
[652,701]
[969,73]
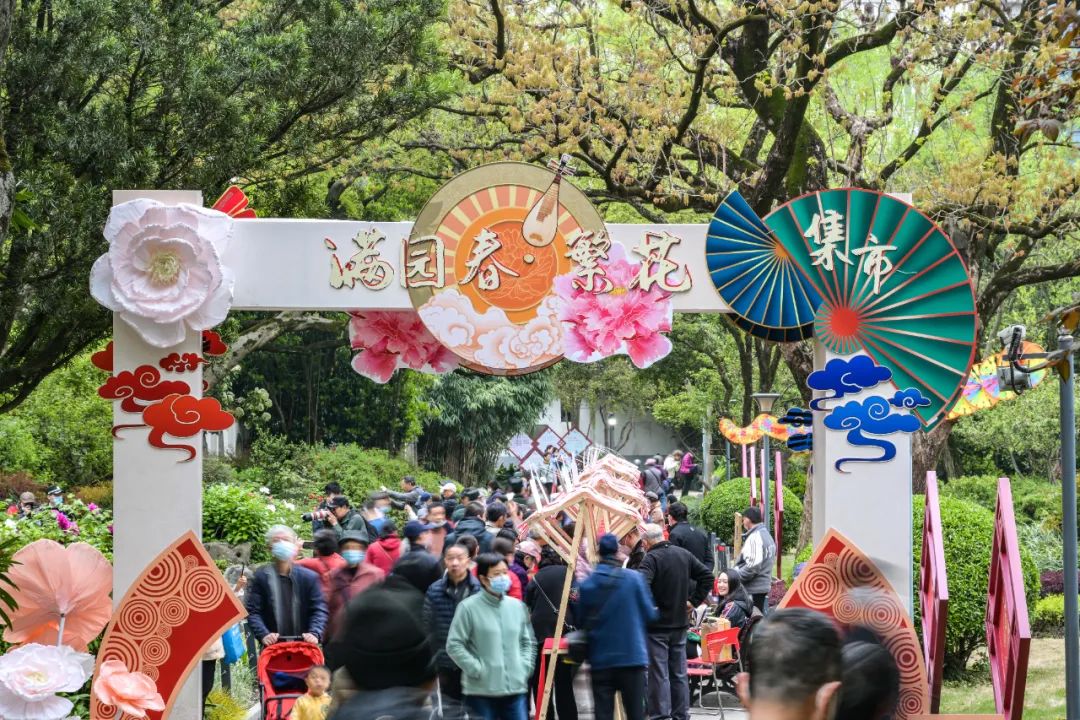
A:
[756,276]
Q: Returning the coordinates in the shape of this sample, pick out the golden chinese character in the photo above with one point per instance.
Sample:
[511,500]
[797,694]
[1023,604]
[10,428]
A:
[364,266]
[827,233]
[874,263]
[416,270]
[487,243]
[656,266]
[587,249]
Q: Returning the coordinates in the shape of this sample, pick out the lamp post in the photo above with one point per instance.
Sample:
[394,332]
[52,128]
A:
[765,401]
[1068,527]
[611,421]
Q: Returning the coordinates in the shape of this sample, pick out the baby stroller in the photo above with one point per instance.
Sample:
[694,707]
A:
[281,670]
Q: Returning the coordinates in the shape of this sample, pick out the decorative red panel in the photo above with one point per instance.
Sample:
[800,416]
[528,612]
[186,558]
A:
[1008,634]
[933,592]
[166,621]
[842,582]
[778,517]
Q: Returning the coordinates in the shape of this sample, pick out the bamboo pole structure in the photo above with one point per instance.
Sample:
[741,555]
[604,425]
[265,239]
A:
[564,600]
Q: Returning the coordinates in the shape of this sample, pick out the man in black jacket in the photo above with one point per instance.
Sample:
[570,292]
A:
[682,534]
[679,582]
[472,524]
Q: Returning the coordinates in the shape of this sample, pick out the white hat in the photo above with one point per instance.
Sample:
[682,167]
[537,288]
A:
[448,486]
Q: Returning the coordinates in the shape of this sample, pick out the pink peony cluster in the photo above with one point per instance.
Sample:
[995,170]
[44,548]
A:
[623,320]
[388,340]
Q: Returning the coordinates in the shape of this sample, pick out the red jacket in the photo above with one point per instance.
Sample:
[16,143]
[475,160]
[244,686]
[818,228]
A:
[323,566]
[515,585]
[345,584]
[384,553]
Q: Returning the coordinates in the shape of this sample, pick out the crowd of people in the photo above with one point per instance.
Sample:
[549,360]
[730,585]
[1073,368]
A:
[451,616]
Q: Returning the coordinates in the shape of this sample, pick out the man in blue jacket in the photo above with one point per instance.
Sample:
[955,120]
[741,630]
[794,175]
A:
[285,600]
[617,607]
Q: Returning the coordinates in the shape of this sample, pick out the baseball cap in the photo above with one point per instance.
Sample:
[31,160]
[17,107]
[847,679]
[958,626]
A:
[413,528]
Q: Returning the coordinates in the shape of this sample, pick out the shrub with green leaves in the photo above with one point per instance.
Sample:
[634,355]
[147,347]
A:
[235,514]
[1034,499]
[719,505]
[1048,618]
[361,471]
[75,521]
[968,532]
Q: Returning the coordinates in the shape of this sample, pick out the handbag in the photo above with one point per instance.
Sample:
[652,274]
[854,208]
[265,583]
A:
[233,640]
[577,642]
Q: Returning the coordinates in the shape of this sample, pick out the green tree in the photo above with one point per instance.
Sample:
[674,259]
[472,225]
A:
[103,94]
[475,416]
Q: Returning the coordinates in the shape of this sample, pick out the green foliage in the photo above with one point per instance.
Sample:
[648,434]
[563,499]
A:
[61,433]
[79,522]
[235,514]
[1044,545]
[104,94]
[718,508]
[101,495]
[220,705]
[475,417]
[1048,618]
[361,471]
[1034,500]
[968,531]
[282,466]
[217,470]
[8,547]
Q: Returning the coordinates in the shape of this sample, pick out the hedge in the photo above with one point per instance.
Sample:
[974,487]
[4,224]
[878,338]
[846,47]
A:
[1048,618]
[1034,500]
[718,507]
[968,531]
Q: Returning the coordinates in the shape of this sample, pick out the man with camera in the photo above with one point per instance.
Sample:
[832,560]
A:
[317,517]
[344,519]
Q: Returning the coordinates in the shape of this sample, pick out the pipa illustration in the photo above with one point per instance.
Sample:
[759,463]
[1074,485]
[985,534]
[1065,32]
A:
[879,275]
[541,223]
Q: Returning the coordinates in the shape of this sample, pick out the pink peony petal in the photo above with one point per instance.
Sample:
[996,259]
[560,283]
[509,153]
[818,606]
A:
[647,349]
[375,366]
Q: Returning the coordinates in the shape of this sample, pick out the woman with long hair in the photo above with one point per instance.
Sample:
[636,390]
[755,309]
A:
[734,603]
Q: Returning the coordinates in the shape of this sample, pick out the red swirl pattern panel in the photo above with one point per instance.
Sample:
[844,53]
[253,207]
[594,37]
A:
[168,618]
[843,583]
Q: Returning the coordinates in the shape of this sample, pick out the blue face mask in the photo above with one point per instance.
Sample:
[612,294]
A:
[500,585]
[353,557]
[384,509]
[283,550]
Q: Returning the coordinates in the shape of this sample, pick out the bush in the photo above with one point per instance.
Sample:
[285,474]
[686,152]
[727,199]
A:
[1034,500]
[795,480]
[221,706]
[235,514]
[100,495]
[719,505]
[1044,545]
[361,471]
[284,467]
[76,522]
[218,470]
[1052,582]
[968,533]
[1048,617]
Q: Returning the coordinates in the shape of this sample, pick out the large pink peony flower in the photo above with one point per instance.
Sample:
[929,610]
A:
[132,692]
[390,340]
[163,271]
[624,320]
[31,675]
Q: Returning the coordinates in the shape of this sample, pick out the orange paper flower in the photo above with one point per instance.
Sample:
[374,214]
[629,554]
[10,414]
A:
[132,692]
[57,585]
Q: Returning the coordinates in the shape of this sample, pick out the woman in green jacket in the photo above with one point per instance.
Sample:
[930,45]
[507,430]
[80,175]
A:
[491,640]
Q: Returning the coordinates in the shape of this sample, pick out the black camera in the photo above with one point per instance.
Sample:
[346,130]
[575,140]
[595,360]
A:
[320,514]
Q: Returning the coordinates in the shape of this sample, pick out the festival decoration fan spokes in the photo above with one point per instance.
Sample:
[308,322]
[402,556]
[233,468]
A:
[892,285]
[756,276]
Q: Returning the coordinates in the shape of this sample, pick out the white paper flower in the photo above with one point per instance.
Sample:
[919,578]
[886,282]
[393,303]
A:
[163,269]
[31,675]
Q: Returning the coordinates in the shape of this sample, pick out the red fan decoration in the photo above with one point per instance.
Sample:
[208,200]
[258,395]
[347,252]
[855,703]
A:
[139,388]
[234,202]
[166,621]
[187,362]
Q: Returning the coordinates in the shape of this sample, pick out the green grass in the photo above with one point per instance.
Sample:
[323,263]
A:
[1044,698]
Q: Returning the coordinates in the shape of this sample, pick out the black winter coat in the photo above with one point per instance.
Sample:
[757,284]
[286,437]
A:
[687,536]
[674,576]
[542,598]
[439,609]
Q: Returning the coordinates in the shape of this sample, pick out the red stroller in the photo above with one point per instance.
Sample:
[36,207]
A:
[281,669]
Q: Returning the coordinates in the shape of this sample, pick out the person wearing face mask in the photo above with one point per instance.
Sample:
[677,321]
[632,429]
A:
[357,575]
[55,496]
[284,600]
[491,640]
[436,520]
[344,519]
[440,605]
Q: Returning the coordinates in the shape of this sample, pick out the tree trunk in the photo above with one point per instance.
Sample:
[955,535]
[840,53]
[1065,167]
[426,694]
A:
[806,524]
[926,451]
